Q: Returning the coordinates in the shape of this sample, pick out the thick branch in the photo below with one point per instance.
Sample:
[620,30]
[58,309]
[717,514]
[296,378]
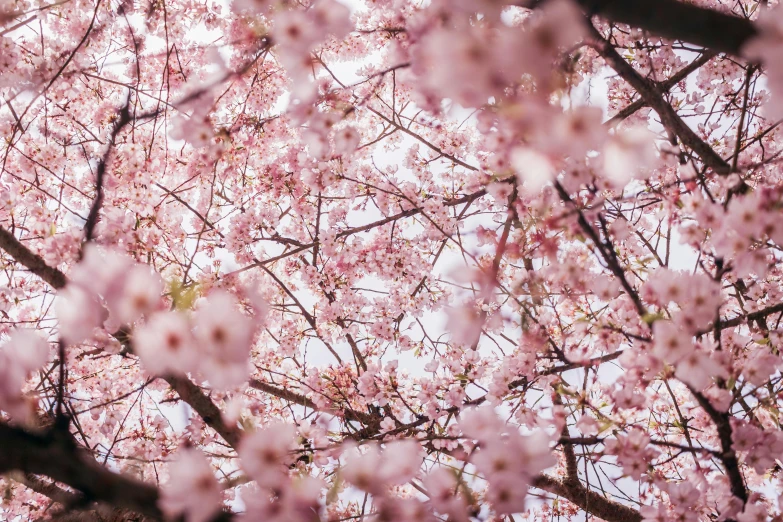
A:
[663,86]
[653,97]
[56,455]
[30,260]
[728,457]
[588,500]
[50,489]
[73,508]
[195,397]
[753,316]
[679,21]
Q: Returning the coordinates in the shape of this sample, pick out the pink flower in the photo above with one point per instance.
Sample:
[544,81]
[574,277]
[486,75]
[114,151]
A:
[78,313]
[534,170]
[401,461]
[697,369]
[192,490]
[576,132]
[297,32]
[346,140]
[760,366]
[588,425]
[632,451]
[553,28]
[165,344]
[24,353]
[767,47]
[467,63]
[464,323]
[251,6]
[331,17]
[670,343]
[196,130]
[374,469]
[294,501]
[26,350]
[267,453]
[509,465]
[361,466]
[507,493]
[387,424]
[481,423]
[100,269]
[756,512]
[628,154]
[293,32]
[443,490]
[224,336]
[136,293]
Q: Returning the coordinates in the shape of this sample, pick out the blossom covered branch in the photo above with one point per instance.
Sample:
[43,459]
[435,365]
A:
[333,260]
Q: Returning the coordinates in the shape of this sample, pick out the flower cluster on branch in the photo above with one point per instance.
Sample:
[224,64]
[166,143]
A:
[391,260]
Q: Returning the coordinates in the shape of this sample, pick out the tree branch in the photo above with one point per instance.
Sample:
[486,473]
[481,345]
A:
[56,455]
[189,392]
[663,86]
[588,500]
[653,97]
[678,21]
[30,260]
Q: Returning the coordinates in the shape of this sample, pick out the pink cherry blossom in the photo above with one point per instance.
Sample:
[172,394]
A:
[192,490]
[391,260]
[224,336]
[372,468]
[166,345]
[267,453]
[24,352]
[79,312]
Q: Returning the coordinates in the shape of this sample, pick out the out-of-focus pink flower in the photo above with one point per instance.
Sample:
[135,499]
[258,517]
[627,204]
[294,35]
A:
[78,313]
[24,353]
[224,336]
[767,47]
[670,343]
[374,469]
[534,169]
[136,294]
[192,490]
[267,453]
[165,344]
[628,155]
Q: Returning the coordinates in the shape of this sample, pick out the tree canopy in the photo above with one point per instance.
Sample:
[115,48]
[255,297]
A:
[391,260]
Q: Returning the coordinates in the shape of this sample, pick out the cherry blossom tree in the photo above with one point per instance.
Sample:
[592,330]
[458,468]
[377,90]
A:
[391,260]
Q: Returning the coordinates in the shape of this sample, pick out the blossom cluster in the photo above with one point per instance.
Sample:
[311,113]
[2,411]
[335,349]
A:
[391,260]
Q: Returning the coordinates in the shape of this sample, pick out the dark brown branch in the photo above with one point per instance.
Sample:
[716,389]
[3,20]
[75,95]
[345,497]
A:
[589,500]
[678,21]
[753,316]
[606,251]
[728,457]
[195,397]
[653,97]
[30,260]
[301,400]
[663,86]
[55,454]
[123,118]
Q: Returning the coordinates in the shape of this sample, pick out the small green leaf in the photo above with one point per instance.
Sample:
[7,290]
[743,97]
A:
[650,318]
[183,296]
